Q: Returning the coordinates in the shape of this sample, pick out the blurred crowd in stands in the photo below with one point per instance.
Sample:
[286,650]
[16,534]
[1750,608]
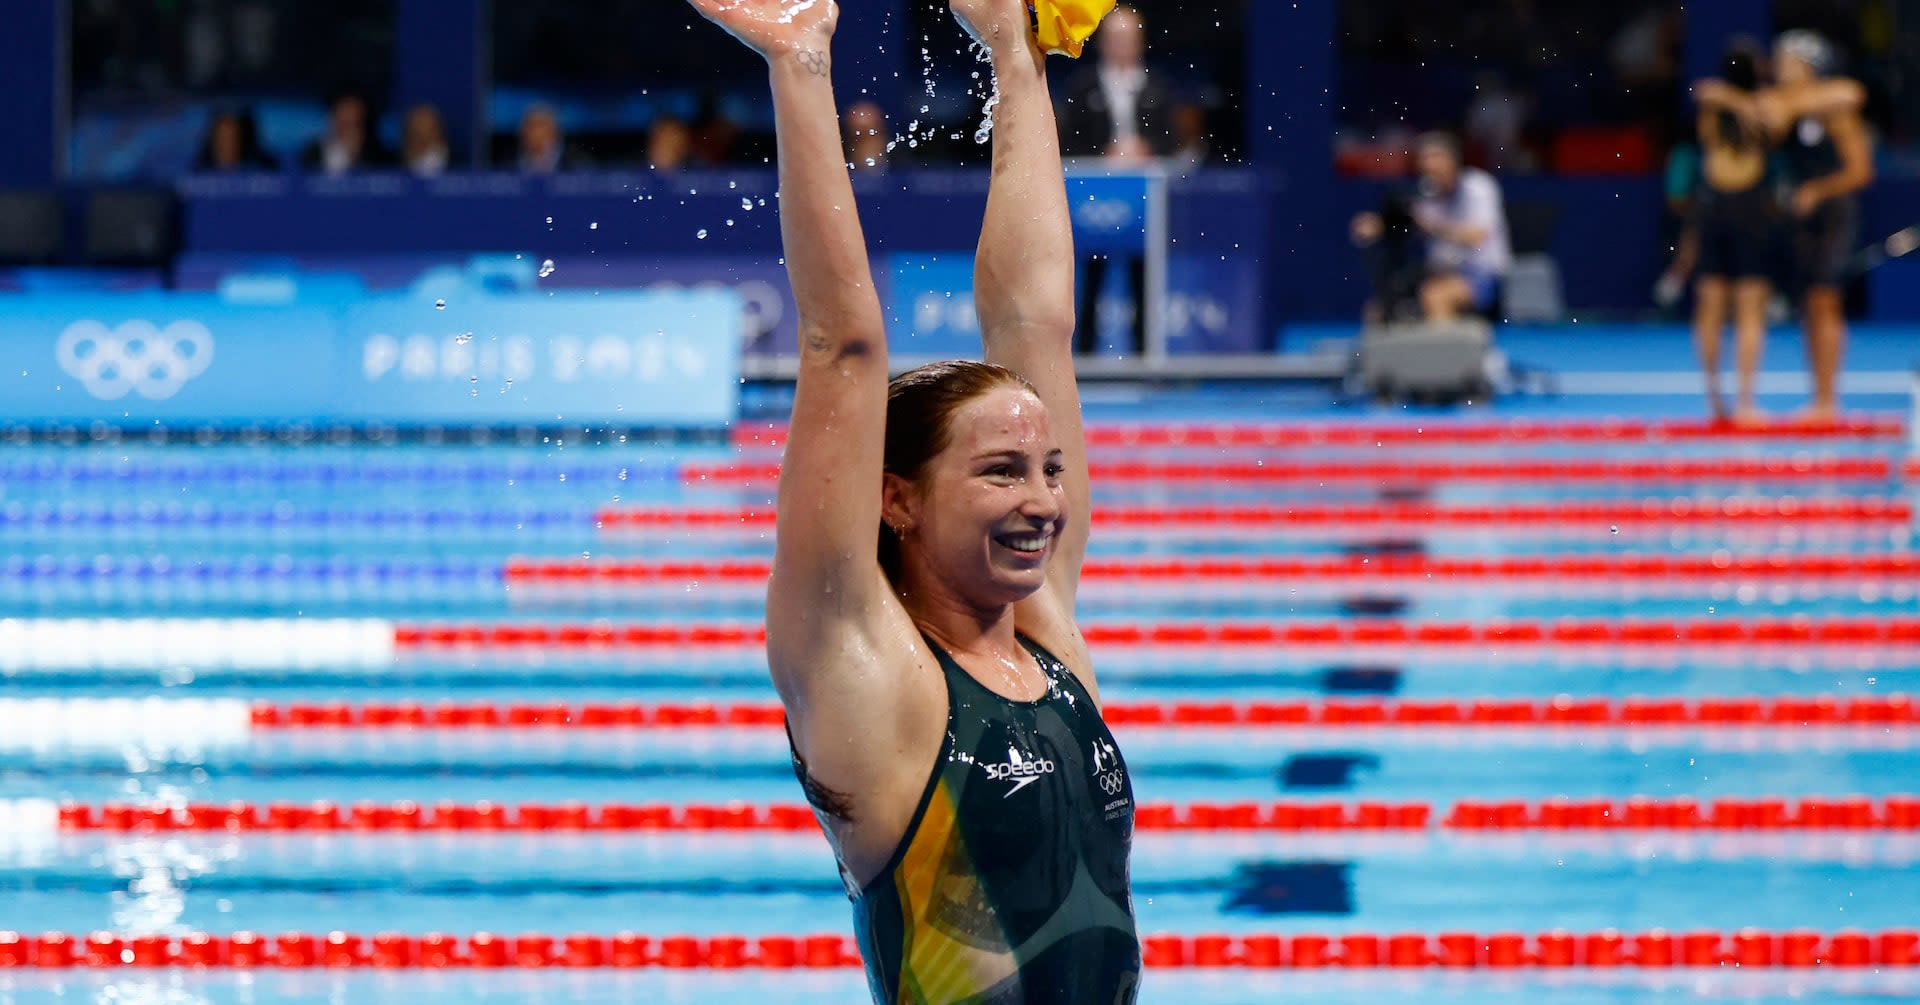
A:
[1529,86]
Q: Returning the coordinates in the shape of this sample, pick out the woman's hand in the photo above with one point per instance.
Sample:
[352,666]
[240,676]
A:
[775,27]
[995,23]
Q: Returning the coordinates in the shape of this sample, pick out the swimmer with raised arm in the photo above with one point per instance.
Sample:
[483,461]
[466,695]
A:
[940,699]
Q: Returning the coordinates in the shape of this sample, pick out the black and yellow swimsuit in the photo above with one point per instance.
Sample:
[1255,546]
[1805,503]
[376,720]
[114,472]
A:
[1010,887]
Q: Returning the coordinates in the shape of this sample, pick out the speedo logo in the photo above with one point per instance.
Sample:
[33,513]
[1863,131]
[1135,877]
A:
[1021,771]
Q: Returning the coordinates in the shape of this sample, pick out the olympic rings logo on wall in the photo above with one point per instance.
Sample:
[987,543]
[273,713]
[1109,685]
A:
[1105,214]
[137,356]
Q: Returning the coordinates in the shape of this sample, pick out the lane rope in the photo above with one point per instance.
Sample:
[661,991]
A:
[1746,948]
[361,643]
[1598,569]
[1546,472]
[1767,813]
[1597,514]
[1886,711]
[1447,434]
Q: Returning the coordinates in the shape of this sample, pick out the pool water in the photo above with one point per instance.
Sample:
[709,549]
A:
[376,546]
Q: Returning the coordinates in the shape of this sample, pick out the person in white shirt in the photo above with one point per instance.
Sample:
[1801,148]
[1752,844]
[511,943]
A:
[1459,212]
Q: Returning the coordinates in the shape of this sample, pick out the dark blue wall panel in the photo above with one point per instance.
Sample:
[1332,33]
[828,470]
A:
[31,44]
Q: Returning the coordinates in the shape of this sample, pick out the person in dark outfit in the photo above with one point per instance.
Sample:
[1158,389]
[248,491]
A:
[349,144]
[941,702]
[1117,111]
[1734,219]
[1829,160]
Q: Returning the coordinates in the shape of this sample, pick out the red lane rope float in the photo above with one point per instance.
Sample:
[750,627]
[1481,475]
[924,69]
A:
[1884,631]
[1851,813]
[1876,469]
[1889,711]
[1227,434]
[1746,948]
[1600,568]
[1662,512]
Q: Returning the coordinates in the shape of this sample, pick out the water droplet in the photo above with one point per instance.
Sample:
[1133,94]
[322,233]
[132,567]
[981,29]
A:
[746,204]
[546,268]
[1615,528]
[702,235]
[463,338]
[729,223]
[595,225]
[439,305]
[549,219]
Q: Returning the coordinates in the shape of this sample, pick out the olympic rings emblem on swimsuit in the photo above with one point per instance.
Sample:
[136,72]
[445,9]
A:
[137,356]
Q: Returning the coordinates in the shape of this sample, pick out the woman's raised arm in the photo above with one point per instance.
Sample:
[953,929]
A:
[826,575]
[1023,271]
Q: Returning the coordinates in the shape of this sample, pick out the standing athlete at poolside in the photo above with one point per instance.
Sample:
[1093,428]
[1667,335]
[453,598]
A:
[1734,222]
[1828,159]
[920,628]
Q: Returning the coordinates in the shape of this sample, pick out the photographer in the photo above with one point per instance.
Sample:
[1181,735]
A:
[1457,213]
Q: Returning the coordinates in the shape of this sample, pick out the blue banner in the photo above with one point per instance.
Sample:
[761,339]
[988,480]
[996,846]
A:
[575,358]
[1212,306]
[1109,212]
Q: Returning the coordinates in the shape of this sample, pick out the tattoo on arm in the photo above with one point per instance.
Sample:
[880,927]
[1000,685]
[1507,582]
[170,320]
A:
[815,61]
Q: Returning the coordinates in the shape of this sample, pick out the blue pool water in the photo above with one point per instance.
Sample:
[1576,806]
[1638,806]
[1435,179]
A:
[416,534]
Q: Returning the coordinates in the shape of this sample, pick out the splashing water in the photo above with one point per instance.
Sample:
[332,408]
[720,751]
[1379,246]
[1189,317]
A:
[985,132]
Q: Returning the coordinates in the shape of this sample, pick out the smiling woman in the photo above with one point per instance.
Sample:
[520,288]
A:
[940,698]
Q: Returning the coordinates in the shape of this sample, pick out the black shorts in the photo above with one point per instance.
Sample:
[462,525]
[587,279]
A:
[1823,243]
[1739,232]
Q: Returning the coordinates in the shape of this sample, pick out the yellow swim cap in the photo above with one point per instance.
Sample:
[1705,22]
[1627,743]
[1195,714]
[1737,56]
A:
[1065,25]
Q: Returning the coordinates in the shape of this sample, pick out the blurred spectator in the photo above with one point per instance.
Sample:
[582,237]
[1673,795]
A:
[349,143]
[423,142]
[1191,147]
[1457,211]
[1117,108]
[669,144]
[543,150]
[865,126]
[232,143]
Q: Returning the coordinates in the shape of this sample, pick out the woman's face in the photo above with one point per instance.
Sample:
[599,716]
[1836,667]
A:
[989,507]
